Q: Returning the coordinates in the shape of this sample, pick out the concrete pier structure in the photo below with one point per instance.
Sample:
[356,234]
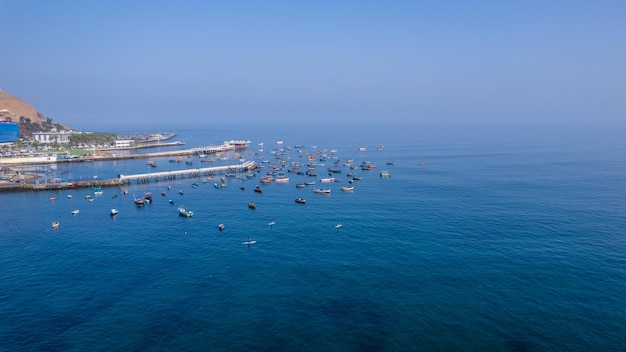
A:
[197,172]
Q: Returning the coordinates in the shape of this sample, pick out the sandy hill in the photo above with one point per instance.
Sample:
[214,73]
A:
[30,120]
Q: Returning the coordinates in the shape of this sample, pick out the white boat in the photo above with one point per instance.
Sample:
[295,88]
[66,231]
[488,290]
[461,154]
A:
[338,225]
[184,212]
[248,242]
[282,179]
[271,223]
[327,180]
[347,189]
[221,227]
[385,174]
[69,196]
[55,224]
[114,211]
[322,190]
[76,211]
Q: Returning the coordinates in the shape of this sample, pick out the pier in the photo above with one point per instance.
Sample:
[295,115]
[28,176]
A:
[172,175]
[124,179]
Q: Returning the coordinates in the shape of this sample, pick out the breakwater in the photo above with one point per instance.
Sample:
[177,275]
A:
[125,179]
[22,187]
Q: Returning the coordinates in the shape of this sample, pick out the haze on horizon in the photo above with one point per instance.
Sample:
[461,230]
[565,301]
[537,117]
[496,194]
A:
[90,64]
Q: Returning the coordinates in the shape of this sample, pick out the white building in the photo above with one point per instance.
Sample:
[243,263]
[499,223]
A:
[124,143]
[61,137]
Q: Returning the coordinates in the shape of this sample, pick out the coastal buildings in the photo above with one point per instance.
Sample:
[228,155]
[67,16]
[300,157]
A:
[54,136]
[124,143]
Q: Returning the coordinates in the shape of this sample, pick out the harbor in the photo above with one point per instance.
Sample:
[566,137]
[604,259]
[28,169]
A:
[23,173]
[126,179]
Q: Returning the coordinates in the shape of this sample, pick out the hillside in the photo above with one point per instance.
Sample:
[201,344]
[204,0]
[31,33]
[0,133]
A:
[29,119]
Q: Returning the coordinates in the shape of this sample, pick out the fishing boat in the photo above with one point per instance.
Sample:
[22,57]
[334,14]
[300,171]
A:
[220,227]
[322,190]
[327,180]
[282,179]
[252,205]
[271,223]
[338,225]
[69,196]
[139,201]
[258,189]
[309,183]
[184,212]
[114,195]
[114,211]
[248,242]
[385,173]
[55,224]
[300,200]
[347,189]
[300,185]
[76,211]
[52,199]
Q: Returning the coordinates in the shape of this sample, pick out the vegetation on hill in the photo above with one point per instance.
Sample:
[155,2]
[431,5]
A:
[27,127]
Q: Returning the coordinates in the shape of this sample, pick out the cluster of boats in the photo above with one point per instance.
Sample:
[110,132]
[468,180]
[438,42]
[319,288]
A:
[275,173]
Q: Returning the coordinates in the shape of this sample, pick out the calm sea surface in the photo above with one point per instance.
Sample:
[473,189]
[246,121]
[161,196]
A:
[508,239]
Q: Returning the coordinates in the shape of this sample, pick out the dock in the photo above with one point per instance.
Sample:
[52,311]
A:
[125,179]
[198,172]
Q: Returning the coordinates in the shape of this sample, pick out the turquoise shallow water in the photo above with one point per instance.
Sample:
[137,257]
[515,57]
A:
[509,242]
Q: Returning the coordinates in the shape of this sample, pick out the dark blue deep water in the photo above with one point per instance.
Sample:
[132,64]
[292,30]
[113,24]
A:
[505,239]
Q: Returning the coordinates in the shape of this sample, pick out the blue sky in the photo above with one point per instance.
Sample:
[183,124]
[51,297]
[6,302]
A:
[93,63]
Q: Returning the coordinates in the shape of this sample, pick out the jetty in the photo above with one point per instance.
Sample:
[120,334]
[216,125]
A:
[125,179]
[198,172]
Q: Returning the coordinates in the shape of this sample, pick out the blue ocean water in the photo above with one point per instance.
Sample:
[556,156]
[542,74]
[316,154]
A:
[503,239]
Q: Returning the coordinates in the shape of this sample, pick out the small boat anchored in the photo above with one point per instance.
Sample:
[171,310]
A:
[55,224]
[248,242]
[184,212]
[300,200]
[322,190]
[75,211]
[114,211]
